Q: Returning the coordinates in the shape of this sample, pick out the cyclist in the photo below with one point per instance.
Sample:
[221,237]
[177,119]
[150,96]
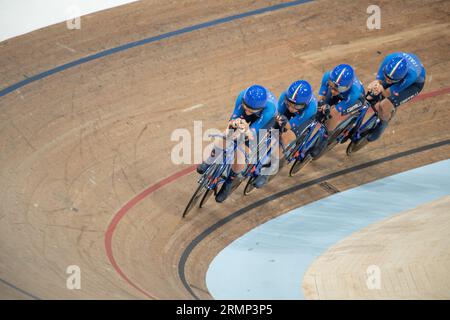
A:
[342,91]
[297,106]
[255,109]
[400,78]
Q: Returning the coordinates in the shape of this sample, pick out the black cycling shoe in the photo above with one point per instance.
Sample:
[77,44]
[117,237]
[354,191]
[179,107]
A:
[225,190]
[260,181]
[377,131]
[202,167]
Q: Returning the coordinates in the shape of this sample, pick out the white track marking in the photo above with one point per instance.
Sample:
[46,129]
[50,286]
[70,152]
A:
[193,107]
[65,47]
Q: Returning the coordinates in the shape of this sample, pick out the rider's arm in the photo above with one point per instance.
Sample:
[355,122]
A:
[281,118]
[324,85]
[351,100]
[238,110]
[320,103]
[281,105]
[323,90]
[306,115]
[379,78]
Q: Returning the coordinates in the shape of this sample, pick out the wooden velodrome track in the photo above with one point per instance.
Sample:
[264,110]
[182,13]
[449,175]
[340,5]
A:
[86,176]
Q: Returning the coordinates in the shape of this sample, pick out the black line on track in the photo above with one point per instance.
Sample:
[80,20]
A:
[185,255]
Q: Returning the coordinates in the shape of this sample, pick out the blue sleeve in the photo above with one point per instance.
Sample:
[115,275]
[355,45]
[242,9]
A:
[324,84]
[380,74]
[354,95]
[281,105]
[410,78]
[312,109]
[268,113]
[238,110]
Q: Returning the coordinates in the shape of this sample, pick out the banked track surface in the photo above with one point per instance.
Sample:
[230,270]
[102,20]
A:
[80,144]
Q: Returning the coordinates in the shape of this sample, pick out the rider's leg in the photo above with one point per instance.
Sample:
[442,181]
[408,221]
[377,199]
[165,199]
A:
[336,119]
[277,161]
[388,105]
[331,124]
[384,108]
[202,167]
[218,146]
[287,137]
[238,166]
[373,98]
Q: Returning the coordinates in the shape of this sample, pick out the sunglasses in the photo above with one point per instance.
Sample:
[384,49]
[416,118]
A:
[389,78]
[337,87]
[293,105]
[249,109]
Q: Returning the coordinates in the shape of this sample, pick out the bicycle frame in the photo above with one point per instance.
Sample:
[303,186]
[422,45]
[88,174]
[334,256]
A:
[256,169]
[308,141]
[215,171]
[361,127]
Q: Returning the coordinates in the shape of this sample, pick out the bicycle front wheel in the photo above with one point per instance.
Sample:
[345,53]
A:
[249,187]
[299,164]
[194,199]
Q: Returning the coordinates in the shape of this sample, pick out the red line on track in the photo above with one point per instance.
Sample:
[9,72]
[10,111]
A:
[121,213]
[130,204]
[431,94]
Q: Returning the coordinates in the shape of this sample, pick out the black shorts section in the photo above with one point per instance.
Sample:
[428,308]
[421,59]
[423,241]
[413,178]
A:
[407,94]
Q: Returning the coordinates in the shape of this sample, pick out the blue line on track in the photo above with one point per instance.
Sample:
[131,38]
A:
[142,42]
[18,289]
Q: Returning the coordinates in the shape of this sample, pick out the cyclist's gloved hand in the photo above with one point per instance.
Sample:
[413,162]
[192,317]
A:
[373,98]
[233,123]
[376,88]
[319,116]
[282,120]
[323,113]
[243,126]
[372,85]
[320,105]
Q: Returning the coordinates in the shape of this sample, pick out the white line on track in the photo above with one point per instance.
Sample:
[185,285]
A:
[193,107]
[65,47]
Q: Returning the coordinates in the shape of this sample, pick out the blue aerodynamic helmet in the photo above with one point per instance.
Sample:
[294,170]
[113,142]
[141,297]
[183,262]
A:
[396,69]
[341,77]
[255,97]
[299,94]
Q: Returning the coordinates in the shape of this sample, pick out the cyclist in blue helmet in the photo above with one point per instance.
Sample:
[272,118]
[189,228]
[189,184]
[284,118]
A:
[400,78]
[254,112]
[344,93]
[297,106]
